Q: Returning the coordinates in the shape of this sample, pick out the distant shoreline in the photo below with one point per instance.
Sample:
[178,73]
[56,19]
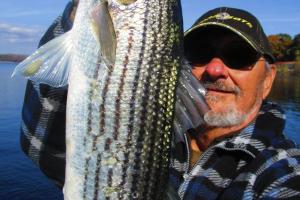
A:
[12,57]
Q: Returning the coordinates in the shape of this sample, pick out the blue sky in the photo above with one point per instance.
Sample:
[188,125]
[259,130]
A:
[22,23]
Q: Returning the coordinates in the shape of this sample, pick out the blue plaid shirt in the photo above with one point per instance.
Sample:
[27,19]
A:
[257,163]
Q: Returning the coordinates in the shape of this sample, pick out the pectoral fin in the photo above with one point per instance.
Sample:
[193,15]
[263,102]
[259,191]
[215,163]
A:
[50,64]
[104,32]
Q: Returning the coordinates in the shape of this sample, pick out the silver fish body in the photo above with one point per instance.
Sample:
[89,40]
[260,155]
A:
[119,115]
[121,61]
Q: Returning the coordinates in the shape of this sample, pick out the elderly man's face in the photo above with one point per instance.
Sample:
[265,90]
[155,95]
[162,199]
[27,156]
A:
[235,77]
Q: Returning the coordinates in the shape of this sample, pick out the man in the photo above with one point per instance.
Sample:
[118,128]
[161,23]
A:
[240,152]
[44,113]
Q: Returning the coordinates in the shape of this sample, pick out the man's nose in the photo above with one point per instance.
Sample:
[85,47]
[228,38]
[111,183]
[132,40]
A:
[216,69]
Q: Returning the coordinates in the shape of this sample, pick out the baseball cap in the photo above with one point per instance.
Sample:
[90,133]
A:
[238,21]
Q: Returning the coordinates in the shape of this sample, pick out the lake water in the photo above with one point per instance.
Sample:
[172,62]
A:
[20,179]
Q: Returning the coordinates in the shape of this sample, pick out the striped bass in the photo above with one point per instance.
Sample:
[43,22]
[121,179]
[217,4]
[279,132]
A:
[121,61]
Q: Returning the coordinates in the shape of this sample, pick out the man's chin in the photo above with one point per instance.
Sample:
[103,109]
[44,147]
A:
[224,119]
[218,101]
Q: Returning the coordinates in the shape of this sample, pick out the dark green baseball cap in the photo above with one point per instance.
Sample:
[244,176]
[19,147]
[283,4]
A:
[238,21]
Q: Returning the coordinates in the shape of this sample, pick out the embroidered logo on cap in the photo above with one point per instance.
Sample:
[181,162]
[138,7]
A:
[226,16]
[223,16]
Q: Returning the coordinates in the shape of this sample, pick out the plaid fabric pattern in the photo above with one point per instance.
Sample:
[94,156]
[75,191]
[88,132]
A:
[257,163]
[44,114]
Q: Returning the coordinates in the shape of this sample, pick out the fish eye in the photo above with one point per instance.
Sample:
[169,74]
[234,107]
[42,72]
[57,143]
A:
[126,2]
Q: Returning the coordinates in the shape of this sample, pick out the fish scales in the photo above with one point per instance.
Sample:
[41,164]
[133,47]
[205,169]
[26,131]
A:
[146,141]
[119,117]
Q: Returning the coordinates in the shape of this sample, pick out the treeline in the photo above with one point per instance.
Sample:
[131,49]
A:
[12,57]
[284,47]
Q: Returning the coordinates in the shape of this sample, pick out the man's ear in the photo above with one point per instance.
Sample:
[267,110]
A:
[268,82]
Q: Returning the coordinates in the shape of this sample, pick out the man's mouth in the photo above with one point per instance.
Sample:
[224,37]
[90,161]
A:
[213,89]
[220,88]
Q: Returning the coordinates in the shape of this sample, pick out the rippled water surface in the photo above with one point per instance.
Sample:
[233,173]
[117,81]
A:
[20,179]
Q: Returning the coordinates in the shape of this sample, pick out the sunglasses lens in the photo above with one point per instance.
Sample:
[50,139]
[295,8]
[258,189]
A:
[235,55]
[239,55]
[200,54]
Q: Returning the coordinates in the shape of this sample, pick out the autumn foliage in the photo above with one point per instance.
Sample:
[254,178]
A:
[284,48]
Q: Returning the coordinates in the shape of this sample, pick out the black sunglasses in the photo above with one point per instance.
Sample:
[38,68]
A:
[236,54]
